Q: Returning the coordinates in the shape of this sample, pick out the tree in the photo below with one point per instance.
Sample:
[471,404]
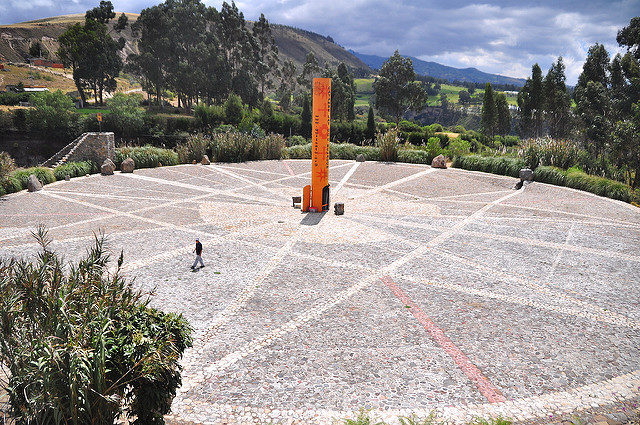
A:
[489,112]
[37,50]
[310,69]
[464,98]
[396,90]
[92,53]
[343,92]
[503,116]
[233,109]
[531,104]
[287,84]
[122,22]
[102,13]
[82,346]
[267,64]
[154,45]
[626,146]
[593,103]
[370,132]
[306,117]
[51,114]
[125,115]
[629,37]
[557,101]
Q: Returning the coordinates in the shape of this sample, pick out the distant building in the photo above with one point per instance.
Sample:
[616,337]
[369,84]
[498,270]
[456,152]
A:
[45,63]
[35,89]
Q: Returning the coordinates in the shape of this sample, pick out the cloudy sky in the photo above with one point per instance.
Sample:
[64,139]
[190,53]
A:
[498,36]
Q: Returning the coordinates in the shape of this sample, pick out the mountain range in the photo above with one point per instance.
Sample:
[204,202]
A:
[436,70]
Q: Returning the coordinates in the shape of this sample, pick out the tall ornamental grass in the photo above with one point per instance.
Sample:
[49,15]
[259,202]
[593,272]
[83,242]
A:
[146,156]
[81,345]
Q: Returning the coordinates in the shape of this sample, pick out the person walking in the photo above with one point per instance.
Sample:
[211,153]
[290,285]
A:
[198,252]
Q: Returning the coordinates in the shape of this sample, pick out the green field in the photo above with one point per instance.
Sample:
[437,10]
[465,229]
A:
[364,90]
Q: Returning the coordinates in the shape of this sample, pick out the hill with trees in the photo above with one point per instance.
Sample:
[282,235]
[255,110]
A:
[293,43]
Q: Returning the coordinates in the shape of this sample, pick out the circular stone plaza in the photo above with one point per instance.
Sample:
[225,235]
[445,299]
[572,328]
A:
[438,289]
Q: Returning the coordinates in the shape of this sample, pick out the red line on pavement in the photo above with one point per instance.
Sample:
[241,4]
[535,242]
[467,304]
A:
[289,168]
[490,391]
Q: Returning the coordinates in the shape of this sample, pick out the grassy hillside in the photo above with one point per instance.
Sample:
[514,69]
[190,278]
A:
[364,87]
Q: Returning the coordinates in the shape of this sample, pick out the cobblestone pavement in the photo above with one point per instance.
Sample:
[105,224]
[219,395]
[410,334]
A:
[437,290]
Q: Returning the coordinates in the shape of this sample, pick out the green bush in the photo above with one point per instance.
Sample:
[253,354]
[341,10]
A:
[351,151]
[146,156]
[125,116]
[578,179]
[7,165]
[52,115]
[45,175]
[11,184]
[458,147]
[240,147]
[233,109]
[433,148]
[497,165]
[296,140]
[194,149]
[81,345]
[6,121]
[415,156]
[208,116]
[415,138]
[75,169]
[409,127]
[12,99]
[298,151]
[549,174]
[388,145]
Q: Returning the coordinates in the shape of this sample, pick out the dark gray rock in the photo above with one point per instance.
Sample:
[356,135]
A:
[526,174]
[33,184]
[108,167]
[338,208]
[128,165]
[360,158]
[67,177]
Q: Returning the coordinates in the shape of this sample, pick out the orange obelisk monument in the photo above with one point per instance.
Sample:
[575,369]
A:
[316,197]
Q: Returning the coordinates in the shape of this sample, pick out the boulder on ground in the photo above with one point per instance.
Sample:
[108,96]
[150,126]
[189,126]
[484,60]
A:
[128,165]
[526,175]
[338,208]
[33,184]
[108,167]
[205,160]
[439,162]
[360,158]
[67,177]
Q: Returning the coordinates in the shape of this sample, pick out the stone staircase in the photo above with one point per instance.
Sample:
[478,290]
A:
[63,154]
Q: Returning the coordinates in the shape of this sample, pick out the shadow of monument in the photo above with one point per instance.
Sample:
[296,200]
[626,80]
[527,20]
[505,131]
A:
[311,219]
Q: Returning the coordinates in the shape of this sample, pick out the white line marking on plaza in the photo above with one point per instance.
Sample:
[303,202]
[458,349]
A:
[346,177]
[560,252]
[317,311]
[395,183]
[505,238]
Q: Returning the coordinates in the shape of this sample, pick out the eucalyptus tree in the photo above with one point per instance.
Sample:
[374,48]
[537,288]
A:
[396,90]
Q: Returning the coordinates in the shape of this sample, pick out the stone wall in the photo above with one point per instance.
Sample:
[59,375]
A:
[95,147]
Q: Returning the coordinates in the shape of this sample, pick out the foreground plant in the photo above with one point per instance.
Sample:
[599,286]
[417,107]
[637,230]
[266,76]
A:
[81,345]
